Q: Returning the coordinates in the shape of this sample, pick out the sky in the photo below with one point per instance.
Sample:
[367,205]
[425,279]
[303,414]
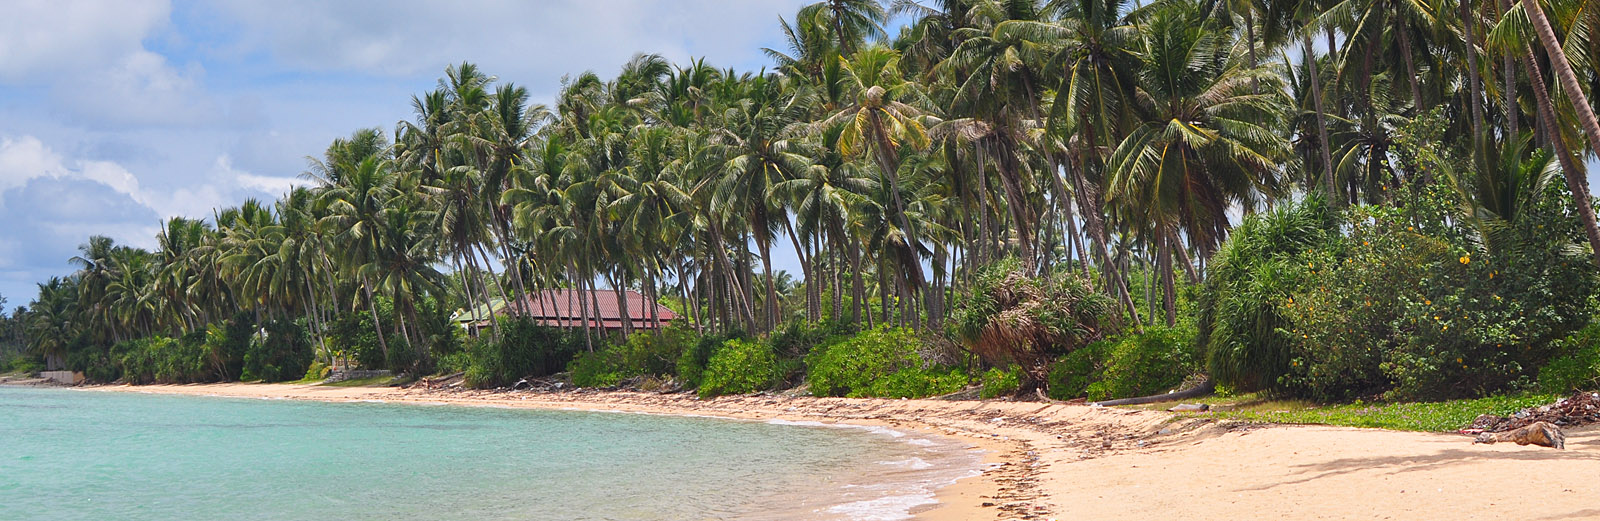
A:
[117,114]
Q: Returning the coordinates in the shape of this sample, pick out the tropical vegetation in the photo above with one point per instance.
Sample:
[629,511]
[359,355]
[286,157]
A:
[1328,199]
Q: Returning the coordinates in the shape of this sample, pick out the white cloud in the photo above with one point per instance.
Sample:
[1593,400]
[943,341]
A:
[141,89]
[43,38]
[26,158]
[269,185]
[527,42]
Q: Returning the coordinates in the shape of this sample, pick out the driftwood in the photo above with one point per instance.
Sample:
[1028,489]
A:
[1537,433]
[1205,388]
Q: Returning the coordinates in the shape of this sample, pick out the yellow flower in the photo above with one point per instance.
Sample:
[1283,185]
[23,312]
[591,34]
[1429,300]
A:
[1458,360]
[1426,302]
[1465,259]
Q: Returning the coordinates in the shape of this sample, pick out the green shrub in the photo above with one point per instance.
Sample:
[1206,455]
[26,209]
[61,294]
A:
[849,367]
[1414,300]
[401,358]
[653,354]
[691,364]
[1578,368]
[1071,375]
[226,343]
[26,365]
[524,349]
[282,353]
[594,369]
[917,382]
[1143,364]
[739,366]
[317,371]
[999,382]
[162,360]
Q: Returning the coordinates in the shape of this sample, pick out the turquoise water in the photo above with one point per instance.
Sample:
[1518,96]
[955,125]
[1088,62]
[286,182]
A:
[112,456]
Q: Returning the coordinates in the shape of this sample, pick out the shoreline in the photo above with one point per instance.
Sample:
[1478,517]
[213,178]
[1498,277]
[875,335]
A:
[1048,461]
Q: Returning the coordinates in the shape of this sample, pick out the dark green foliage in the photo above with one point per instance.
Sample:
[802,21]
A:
[1154,362]
[1135,364]
[1240,326]
[644,354]
[1008,317]
[691,364]
[740,366]
[851,366]
[281,353]
[918,382]
[999,382]
[525,349]
[162,360]
[351,336]
[1071,375]
[1417,300]
[402,358]
[226,344]
[1578,367]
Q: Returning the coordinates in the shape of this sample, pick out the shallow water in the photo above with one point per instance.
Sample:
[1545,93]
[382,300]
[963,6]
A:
[110,456]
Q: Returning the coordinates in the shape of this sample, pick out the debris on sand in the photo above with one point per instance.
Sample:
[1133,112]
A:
[1573,411]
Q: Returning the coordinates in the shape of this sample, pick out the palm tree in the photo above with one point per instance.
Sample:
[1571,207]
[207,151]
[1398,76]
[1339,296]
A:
[356,210]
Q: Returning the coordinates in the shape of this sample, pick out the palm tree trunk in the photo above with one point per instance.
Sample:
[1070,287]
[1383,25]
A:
[1565,76]
[1328,183]
[1411,67]
[1569,168]
[1168,293]
[373,310]
[1508,71]
[1469,23]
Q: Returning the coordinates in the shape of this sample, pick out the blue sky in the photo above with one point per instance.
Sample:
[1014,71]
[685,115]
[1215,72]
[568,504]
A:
[117,114]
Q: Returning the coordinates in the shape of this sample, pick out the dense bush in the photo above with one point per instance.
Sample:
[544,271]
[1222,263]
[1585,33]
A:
[918,382]
[999,382]
[351,337]
[1415,300]
[1155,361]
[1009,317]
[692,362]
[163,360]
[739,366]
[849,366]
[643,354]
[1577,368]
[1072,374]
[226,344]
[283,352]
[524,349]
[1136,364]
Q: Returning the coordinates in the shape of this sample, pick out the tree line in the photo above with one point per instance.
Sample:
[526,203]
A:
[1107,138]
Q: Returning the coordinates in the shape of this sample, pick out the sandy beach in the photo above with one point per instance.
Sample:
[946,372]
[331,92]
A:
[1062,461]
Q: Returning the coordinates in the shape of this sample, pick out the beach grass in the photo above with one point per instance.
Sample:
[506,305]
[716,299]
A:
[363,382]
[1445,416]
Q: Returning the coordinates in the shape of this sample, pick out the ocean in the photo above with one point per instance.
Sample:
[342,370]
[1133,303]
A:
[68,454]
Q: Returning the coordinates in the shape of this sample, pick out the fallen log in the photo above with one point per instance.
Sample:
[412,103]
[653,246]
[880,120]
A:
[1537,433]
[1205,388]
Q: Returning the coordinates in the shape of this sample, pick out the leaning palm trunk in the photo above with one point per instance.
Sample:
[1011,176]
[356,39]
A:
[1564,75]
[1322,124]
[1569,169]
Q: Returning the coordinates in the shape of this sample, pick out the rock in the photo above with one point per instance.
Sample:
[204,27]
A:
[1190,407]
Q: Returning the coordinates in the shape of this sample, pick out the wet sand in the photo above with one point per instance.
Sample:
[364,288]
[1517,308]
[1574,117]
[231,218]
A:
[1066,461]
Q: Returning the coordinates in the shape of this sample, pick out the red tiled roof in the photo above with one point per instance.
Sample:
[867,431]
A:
[560,308]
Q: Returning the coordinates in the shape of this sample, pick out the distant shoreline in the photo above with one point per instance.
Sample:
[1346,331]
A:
[1062,461]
